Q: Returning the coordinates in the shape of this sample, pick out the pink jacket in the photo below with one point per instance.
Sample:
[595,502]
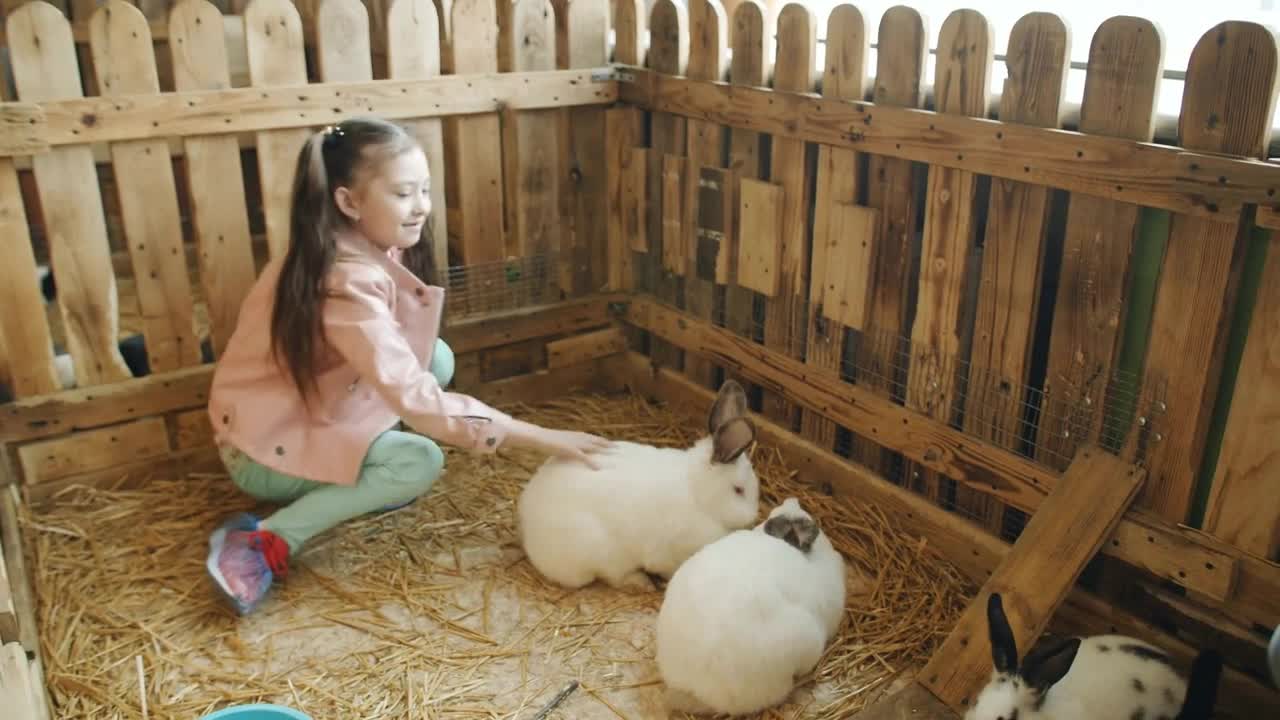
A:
[381,324]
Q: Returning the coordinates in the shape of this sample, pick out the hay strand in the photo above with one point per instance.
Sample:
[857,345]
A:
[432,610]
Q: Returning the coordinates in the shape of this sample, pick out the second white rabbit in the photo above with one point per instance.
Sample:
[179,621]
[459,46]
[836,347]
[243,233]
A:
[748,614]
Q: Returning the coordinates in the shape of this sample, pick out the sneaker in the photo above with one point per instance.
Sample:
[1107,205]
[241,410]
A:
[243,560]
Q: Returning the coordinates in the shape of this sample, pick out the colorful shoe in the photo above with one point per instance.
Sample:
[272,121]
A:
[243,560]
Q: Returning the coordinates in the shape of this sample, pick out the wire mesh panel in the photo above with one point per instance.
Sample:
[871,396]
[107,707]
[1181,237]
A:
[511,284]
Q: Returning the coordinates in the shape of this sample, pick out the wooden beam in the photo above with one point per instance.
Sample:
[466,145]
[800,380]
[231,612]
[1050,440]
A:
[1035,577]
[974,551]
[1160,176]
[25,127]
[78,409]
[16,565]
[1245,584]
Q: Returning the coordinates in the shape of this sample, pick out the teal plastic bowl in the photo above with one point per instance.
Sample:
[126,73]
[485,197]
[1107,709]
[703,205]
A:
[261,711]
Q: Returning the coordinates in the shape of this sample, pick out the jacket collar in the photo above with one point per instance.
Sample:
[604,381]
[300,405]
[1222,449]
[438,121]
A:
[353,246]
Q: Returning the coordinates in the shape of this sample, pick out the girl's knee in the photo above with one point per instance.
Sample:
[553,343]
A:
[414,462]
[442,363]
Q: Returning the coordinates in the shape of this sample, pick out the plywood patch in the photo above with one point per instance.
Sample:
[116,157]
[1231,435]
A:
[760,238]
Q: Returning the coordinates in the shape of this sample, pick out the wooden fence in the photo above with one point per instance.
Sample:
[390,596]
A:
[955,302]
[962,303]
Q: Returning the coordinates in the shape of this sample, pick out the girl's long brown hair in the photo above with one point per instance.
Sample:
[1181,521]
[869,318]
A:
[327,161]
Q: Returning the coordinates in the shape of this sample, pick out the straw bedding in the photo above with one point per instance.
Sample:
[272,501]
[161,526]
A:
[429,611]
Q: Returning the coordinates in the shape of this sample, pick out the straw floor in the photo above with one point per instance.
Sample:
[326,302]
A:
[430,611]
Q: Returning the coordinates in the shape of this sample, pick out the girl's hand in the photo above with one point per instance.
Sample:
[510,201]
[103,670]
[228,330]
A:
[566,444]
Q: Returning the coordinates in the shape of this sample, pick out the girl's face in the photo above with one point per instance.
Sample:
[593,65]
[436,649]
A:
[389,203]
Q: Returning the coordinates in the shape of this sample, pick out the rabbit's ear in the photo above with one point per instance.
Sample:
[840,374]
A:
[1004,649]
[731,439]
[1046,667]
[1202,688]
[730,404]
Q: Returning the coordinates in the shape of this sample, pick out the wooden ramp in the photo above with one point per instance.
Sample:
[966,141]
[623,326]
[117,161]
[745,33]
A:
[1065,533]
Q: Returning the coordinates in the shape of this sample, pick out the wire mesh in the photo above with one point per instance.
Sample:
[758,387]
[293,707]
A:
[1044,419]
[504,285]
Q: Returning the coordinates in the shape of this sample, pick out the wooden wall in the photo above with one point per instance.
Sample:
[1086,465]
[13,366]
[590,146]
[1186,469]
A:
[960,304]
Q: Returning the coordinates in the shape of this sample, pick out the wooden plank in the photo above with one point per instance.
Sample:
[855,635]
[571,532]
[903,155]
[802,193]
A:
[413,53]
[25,339]
[219,210]
[1158,176]
[708,45]
[24,601]
[1195,296]
[293,106]
[965,52]
[1119,101]
[628,28]
[587,40]
[1035,577]
[130,475]
[625,183]
[841,295]
[342,42]
[668,54]
[891,188]
[784,316]
[840,250]
[585,346]
[8,614]
[273,36]
[42,53]
[531,146]
[624,134]
[749,66]
[759,252]
[1243,506]
[674,256]
[1143,540]
[45,460]
[124,61]
[72,410]
[1008,304]
[475,187]
[22,129]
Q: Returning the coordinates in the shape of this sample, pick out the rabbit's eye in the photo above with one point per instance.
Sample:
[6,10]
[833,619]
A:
[737,489]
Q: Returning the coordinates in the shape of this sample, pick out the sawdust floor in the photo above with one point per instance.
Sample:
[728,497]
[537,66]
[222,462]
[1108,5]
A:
[430,611]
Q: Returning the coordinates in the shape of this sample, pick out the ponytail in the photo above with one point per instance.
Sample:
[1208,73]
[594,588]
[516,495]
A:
[296,316]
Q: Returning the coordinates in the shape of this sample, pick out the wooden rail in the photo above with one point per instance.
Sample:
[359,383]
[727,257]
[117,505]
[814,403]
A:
[1142,173]
[31,128]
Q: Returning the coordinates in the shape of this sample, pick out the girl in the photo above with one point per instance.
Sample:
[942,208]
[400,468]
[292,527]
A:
[336,345]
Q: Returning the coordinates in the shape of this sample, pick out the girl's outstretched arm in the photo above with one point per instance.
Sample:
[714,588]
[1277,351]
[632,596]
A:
[359,325]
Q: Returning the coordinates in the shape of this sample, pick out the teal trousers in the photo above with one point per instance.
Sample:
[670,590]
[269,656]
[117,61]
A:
[397,468]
